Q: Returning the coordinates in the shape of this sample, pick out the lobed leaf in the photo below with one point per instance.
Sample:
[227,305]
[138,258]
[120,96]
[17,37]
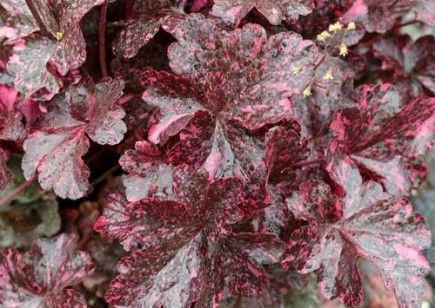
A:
[44,275]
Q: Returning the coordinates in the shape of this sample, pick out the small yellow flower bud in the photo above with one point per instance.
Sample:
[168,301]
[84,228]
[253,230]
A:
[343,50]
[296,70]
[307,91]
[328,75]
[335,27]
[351,26]
[58,36]
[324,36]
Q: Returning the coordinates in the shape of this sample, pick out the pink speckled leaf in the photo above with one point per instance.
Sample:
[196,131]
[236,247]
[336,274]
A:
[55,151]
[106,125]
[59,21]
[155,276]
[233,11]
[44,275]
[147,173]
[222,148]
[187,198]
[29,67]
[20,17]
[173,232]
[177,101]
[215,95]
[252,83]
[366,223]
[68,298]
[70,52]
[149,17]
[425,11]
[57,157]
[383,136]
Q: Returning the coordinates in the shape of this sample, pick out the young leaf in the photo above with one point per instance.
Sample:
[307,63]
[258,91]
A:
[146,172]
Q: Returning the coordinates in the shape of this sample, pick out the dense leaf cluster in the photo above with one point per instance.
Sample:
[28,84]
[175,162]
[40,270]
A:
[232,147]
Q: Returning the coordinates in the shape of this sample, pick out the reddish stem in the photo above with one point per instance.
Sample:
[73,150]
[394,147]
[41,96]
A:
[102,40]
[105,175]
[307,163]
[125,99]
[407,23]
[13,194]
[128,8]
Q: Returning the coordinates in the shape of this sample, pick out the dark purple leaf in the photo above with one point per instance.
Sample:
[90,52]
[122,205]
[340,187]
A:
[374,15]
[412,63]
[381,16]
[284,148]
[199,5]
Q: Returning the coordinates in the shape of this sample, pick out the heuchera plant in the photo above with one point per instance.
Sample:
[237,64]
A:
[204,153]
